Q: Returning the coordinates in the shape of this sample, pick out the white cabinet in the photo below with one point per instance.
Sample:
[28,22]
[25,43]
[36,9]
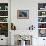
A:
[41,24]
[4,21]
[3,40]
[41,41]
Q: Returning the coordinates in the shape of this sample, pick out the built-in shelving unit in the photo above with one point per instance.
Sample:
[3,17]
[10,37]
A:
[42,19]
[4,19]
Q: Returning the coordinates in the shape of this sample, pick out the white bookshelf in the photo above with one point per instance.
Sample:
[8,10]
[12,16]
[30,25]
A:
[42,18]
[4,18]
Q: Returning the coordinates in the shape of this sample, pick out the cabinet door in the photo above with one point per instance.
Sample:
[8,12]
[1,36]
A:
[42,41]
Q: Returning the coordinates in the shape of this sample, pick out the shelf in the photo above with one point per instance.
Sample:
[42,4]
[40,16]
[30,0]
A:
[3,10]
[3,16]
[3,22]
[41,28]
[42,16]
[41,22]
[41,10]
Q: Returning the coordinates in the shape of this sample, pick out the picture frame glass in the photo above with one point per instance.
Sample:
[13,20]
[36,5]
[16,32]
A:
[22,14]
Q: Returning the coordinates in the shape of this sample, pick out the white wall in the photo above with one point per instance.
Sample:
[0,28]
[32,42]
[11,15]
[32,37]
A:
[23,24]
[32,6]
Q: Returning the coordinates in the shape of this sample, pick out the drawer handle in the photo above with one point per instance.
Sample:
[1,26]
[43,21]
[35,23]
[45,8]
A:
[1,39]
[43,39]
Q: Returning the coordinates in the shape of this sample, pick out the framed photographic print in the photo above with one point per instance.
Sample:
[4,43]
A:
[22,14]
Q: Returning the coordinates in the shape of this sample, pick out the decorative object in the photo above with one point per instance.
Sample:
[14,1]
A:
[41,25]
[13,27]
[0,7]
[23,40]
[43,13]
[3,19]
[31,27]
[42,19]
[23,14]
[6,7]
[3,6]
[41,6]
[42,32]
[4,29]
[3,13]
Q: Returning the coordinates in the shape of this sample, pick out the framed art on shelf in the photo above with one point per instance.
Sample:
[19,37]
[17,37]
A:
[22,14]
